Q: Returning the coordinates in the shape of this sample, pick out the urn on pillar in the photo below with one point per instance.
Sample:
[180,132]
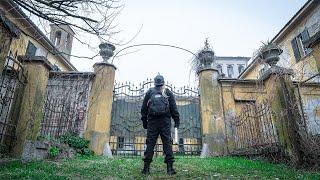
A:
[270,52]
[100,103]
[106,51]
[212,122]
[206,57]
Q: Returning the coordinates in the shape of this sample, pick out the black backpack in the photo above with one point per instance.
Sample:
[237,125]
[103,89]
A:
[158,104]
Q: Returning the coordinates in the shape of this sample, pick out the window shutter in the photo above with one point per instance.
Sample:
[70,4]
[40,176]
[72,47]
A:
[295,49]
[304,36]
[31,49]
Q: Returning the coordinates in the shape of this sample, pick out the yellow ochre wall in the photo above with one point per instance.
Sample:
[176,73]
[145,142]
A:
[19,45]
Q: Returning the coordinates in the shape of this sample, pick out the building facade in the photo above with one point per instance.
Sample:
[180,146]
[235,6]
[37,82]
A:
[292,39]
[231,67]
[22,37]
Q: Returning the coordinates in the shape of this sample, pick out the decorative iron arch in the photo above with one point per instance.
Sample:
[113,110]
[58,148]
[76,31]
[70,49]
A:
[154,44]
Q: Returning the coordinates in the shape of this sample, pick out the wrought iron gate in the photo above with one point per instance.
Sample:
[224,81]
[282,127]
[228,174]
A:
[127,134]
[12,80]
[66,103]
[254,131]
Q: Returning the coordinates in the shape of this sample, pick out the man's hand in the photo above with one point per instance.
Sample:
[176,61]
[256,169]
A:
[145,124]
[176,125]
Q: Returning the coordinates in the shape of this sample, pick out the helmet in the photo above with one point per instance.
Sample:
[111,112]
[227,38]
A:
[158,80]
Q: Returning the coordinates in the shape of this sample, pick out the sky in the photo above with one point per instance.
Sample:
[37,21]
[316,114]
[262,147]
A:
[233,27]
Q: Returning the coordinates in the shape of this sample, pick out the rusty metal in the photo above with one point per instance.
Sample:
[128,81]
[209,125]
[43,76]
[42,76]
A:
[253,131]
[12,81]
[66,103]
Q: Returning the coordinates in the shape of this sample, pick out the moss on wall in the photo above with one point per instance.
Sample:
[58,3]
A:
[32,105]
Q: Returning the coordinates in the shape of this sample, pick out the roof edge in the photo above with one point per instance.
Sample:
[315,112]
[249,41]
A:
[296,17]
[45,39]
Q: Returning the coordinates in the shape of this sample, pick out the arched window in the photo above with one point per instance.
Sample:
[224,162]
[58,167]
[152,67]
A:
[57,39]
[66,43]
[230,71]
[219,67]
[240,68]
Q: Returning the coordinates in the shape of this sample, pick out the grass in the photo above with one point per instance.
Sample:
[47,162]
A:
[122,168]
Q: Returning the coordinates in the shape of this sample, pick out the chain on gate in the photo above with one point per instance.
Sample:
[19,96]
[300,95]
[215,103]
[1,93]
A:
[12,81]
[127,134]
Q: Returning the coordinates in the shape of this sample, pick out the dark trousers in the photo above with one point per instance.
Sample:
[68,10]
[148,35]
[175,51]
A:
[158,127]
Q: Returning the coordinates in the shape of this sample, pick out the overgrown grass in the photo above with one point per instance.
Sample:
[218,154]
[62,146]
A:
[121,168]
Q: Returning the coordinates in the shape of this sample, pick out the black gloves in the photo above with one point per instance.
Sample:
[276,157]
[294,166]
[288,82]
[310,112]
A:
[176,125]
[145,124]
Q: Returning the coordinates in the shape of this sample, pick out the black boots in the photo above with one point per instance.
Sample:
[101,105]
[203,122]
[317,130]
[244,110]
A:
[146,168]
[170,170]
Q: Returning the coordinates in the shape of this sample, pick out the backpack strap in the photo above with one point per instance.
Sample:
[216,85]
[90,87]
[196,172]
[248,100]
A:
[164,93]
[152,92]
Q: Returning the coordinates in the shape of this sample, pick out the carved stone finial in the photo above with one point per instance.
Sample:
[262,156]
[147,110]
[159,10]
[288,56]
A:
[206,44]
[106,51]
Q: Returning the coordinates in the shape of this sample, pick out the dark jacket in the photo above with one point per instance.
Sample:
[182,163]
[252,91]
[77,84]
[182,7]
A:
[172,105]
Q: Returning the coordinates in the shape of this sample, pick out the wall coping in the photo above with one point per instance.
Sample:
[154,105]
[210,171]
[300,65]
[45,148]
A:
[275,70]
[207,69]
[36,59]
[72,74]
[105,64]
[238,81]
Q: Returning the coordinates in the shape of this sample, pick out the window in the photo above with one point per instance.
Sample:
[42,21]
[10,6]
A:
[57,38]
[240,68]
[9,60]
[67,42]
[299,50]
[31,49]
[219,67]
[120,142]
[230,71]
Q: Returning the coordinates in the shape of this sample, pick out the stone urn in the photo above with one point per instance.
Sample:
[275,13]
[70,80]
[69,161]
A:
[206,56]
[270,54]
[106,51]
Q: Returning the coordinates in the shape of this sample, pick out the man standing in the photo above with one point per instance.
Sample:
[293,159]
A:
[157,109]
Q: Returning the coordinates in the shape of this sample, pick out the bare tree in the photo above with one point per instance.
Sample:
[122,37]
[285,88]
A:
[95,17]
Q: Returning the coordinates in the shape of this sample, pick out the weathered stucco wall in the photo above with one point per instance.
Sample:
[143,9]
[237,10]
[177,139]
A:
[237,95]
[307,65]
[19,45]
[211,114]
[100,107]
[31,111]
[310,98]
[252,73]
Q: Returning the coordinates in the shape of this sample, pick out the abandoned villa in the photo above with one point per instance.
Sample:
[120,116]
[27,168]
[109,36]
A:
[265,104]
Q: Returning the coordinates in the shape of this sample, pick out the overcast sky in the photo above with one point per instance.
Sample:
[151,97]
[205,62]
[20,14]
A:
[234,28]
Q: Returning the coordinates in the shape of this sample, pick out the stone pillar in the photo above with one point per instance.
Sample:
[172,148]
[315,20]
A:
[286,112]
[100,106]
[32,105]
[212,121]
